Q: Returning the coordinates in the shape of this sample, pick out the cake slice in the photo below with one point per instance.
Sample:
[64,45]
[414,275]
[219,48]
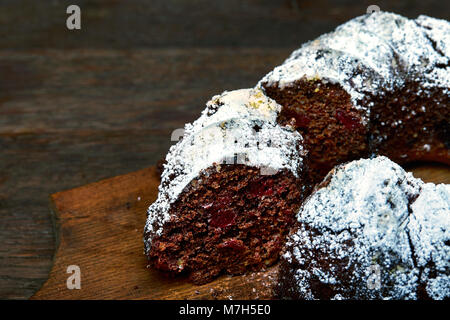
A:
[229,190]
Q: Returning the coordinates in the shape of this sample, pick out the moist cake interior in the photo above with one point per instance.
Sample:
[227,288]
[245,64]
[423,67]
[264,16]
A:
[327,120]
[404,125]
[230,219]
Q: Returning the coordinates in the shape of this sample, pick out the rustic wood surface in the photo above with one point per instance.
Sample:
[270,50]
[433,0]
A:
[99,229]
[80,106]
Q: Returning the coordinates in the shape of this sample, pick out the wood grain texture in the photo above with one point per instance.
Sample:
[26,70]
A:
[100,230]
[121,24]
[77,107]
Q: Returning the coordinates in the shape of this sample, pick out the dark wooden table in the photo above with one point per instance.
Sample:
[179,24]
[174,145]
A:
[79,106]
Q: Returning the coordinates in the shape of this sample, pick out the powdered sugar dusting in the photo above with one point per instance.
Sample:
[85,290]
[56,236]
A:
[438,31]
[364,218]
[373,54]
[240,124]
[429,227]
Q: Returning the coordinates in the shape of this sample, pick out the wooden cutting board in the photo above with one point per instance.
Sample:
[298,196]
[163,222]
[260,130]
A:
[99,228]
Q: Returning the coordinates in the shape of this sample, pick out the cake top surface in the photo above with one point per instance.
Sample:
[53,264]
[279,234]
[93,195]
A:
[371,212]
[437,31]
[242,103]
[361,186]
[369,197]
[237,127]
[373,54]
[429,226]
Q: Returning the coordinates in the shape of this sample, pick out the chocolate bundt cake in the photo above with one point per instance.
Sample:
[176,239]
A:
[378,84]
[370,231]
[229,190]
